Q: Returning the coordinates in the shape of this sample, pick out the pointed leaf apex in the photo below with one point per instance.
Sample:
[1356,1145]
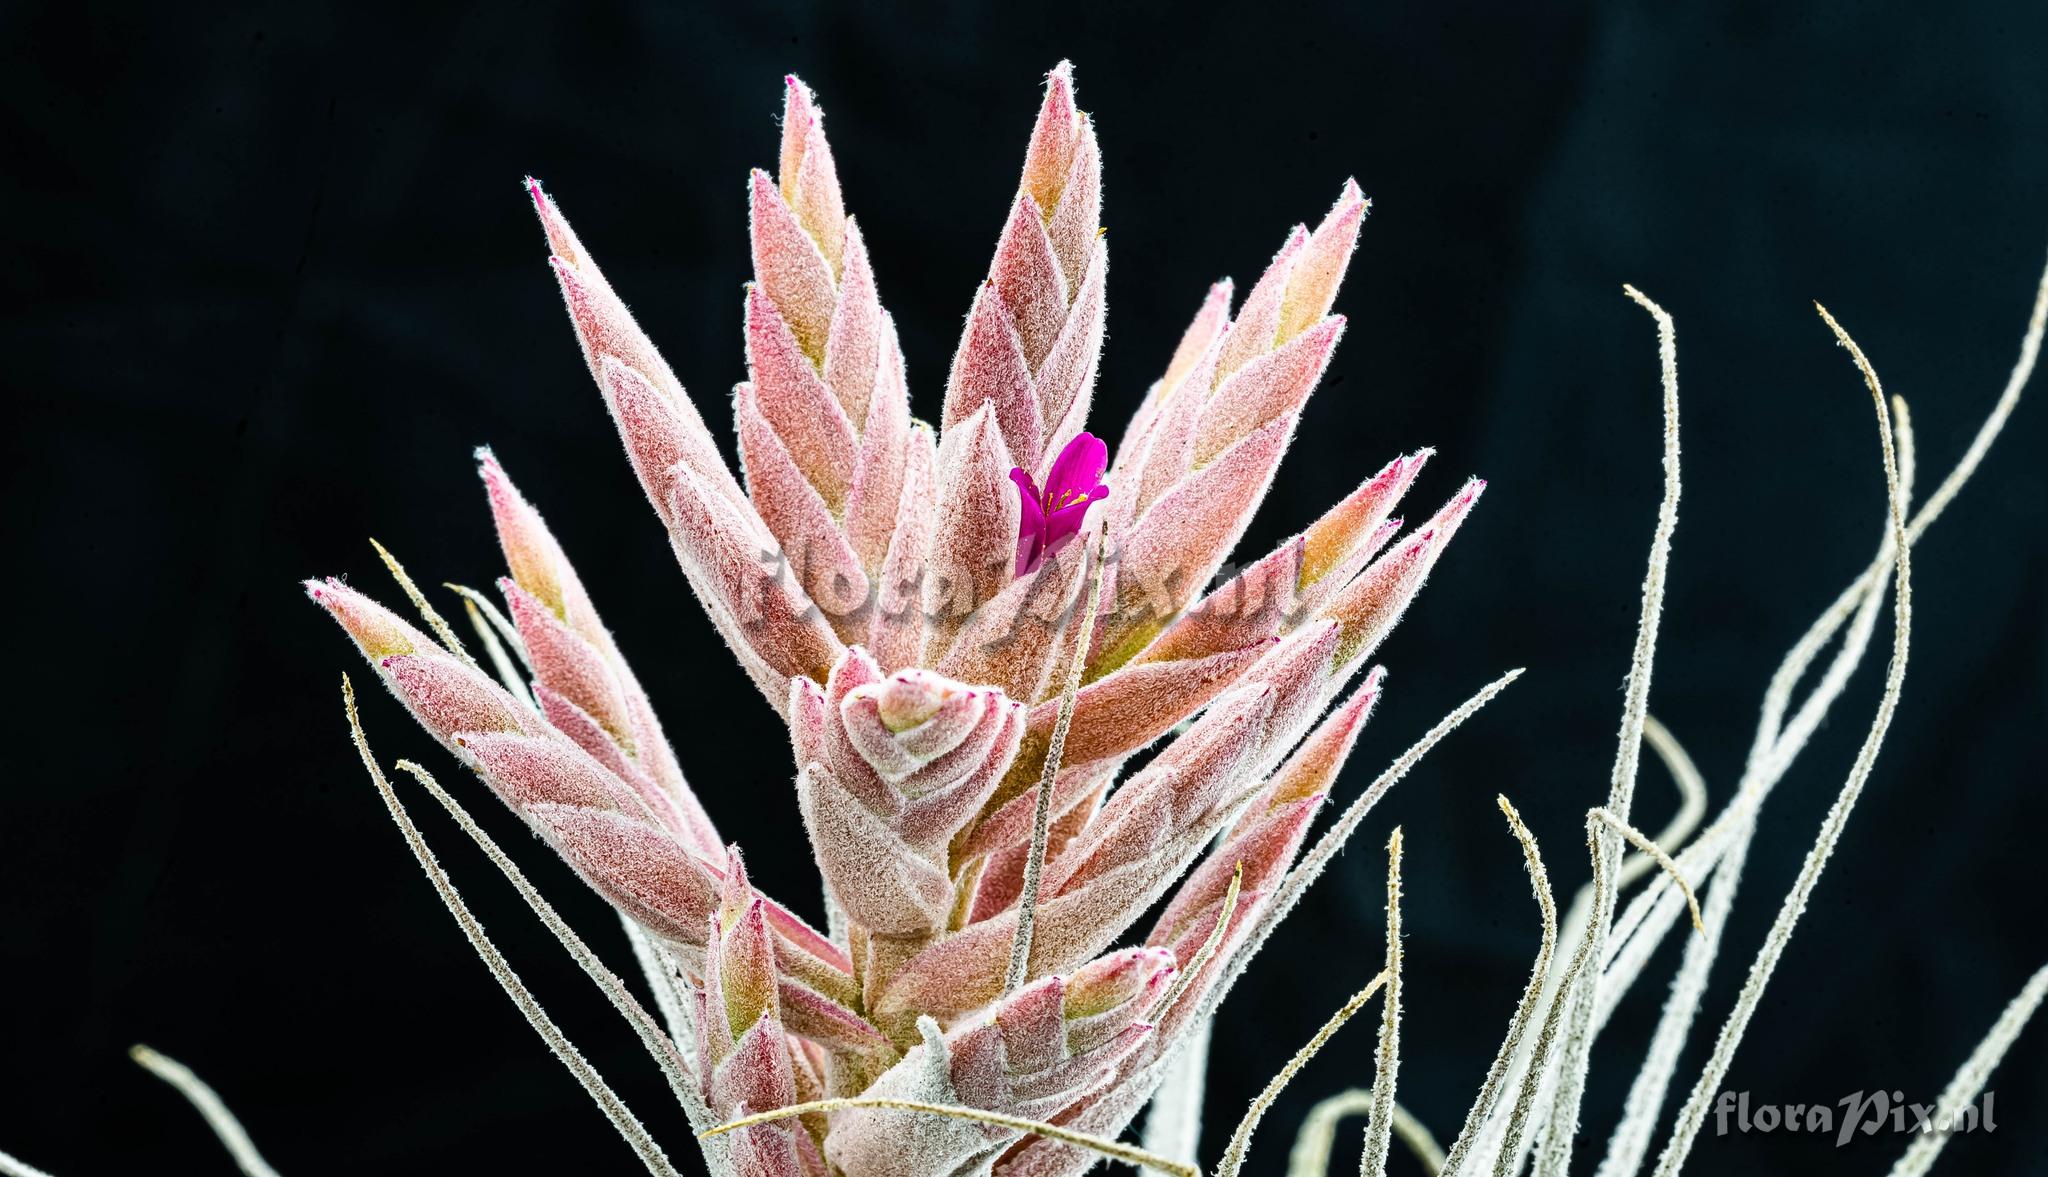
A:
[1054,140]
[560,238]
[379,633]
[1453,513]
[735,894]
[1061,75]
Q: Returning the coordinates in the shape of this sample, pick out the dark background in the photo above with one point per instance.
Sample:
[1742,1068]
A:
[270,275]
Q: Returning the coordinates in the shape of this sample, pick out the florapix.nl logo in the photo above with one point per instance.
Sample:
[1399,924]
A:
[1867,1112]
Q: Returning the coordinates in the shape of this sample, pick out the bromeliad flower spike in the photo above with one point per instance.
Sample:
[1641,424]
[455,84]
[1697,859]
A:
[962,681]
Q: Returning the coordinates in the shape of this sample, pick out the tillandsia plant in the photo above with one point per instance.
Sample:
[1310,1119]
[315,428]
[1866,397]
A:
[970,631]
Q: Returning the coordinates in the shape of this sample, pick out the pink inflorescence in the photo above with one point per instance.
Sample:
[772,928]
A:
[853,563]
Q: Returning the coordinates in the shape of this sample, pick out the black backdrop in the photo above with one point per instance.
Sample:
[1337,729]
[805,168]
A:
[270,276]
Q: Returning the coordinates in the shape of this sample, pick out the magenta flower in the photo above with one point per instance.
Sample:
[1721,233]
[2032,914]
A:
[1048,521]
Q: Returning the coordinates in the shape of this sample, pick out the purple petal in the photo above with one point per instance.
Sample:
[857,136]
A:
[1078,469]
[1030,522]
